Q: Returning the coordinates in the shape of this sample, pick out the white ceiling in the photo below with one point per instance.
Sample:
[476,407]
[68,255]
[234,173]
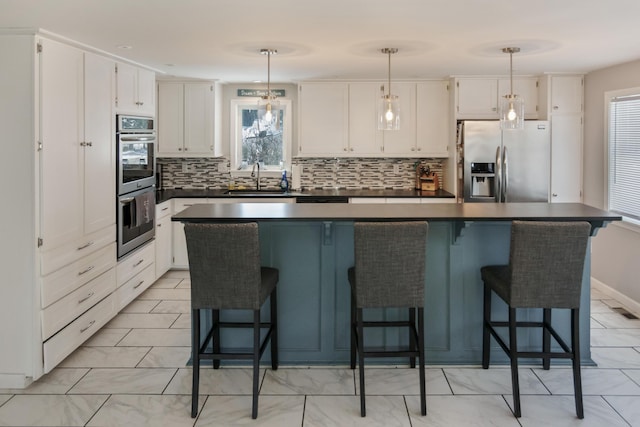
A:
[327,39]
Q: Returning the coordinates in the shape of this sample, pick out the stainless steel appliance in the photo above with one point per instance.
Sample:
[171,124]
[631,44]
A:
[136,219]
[135,137]
[506,166]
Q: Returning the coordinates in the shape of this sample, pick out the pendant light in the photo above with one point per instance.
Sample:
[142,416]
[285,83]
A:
[268,102]
[388,105]
[511,105]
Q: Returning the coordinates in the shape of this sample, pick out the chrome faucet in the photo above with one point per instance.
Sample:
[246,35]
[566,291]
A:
[253,175]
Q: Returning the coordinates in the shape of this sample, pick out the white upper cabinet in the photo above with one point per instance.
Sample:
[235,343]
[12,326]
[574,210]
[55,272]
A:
[187,119]
[136,88]
[479,98]
[340,120]
[323,119]
[433,122]
[566,94]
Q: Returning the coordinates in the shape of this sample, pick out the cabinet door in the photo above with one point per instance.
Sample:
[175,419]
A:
[566,94]
[126,84]
[61,181]
[403,140]
[99,151]
[146,91]
[163,246]
[324,116]
[477,98]
[432,119]
[364,136]
[527,88]
[566,158]
[180,256]
[170,118]
[198,118]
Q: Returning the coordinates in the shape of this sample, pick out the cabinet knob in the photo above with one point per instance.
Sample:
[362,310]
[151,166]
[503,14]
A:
[494,109]
[351,149]
[413,148]
[179,149]
[555,107]
[419,148]
[186,149]
[345,149]
[555,194]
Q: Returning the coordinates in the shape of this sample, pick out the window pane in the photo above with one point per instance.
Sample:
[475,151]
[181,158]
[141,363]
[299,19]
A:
[624,156]
[261,138]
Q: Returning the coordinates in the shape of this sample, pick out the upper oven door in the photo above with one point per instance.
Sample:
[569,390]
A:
[136,161]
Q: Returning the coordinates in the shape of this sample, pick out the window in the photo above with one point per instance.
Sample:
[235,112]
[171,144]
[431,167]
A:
[624,153]
[257,140]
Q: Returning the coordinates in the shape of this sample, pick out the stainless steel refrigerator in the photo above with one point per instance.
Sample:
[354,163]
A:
[506,166]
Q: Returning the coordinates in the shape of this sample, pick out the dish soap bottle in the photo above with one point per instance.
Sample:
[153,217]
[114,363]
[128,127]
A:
[284,183]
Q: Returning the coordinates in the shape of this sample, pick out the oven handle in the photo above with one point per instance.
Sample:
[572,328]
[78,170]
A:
[127,200]
[137,138]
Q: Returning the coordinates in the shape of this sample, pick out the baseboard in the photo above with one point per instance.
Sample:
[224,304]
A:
[627,302]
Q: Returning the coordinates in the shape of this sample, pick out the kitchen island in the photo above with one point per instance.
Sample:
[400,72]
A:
[312,246]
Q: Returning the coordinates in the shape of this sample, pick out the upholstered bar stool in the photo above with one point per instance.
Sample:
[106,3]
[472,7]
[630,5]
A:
[389,272]
[224,264]
[546,261]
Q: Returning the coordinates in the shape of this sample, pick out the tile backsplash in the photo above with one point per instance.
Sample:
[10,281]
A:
[316,173]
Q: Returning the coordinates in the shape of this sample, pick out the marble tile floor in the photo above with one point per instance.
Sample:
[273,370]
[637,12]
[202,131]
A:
[133,373]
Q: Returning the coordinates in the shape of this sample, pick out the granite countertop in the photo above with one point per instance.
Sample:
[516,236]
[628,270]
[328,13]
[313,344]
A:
[225,212]
[164,195]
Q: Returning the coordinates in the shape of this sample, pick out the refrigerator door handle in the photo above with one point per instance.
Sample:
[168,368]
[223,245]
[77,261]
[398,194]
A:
[505,174]
[498,177]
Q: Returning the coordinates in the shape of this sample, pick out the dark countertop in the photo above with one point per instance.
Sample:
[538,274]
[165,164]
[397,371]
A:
[223,212]
[164,195]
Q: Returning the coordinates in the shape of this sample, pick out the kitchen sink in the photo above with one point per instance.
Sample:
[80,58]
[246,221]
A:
[252,192]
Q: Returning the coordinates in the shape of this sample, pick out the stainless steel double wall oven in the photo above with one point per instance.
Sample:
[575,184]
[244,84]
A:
[135,141]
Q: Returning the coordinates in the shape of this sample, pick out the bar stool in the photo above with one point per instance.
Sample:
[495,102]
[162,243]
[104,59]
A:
[224,264]
[389,271]
[546,261]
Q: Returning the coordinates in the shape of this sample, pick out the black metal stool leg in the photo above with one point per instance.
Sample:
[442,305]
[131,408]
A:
[359,320]
[215,315]
[352,329]
[423,392]
[412,338]
[546,337]
[513,355]
[195,354]
[274,329]
[575,349]
[486,336]
[256,362]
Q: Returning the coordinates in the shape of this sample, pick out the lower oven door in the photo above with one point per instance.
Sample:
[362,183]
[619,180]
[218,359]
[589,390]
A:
[136,219]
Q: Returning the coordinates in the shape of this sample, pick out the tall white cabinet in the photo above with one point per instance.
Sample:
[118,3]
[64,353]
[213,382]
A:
[58,253]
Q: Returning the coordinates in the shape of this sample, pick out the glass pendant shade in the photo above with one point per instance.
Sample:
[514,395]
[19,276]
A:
[512,112]
[511,105]
[268,104]
[388,112]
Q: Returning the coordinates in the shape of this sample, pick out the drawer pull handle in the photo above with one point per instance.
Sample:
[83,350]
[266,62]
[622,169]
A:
[138,285]
[138,263]
[85,246]
[86,270]
[165,209]
[86,298]
[88,326]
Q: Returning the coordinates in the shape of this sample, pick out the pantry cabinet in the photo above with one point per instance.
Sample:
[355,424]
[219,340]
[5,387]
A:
[187,117]
[136,89]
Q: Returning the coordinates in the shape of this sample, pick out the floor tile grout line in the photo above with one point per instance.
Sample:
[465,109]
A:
[615,410]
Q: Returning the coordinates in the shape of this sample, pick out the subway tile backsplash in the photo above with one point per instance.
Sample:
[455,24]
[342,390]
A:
[317,173]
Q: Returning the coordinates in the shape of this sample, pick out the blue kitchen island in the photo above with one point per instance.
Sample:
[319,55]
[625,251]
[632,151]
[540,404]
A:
[312,246]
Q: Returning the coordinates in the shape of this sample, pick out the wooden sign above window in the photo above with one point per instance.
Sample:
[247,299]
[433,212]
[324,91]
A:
[260,92]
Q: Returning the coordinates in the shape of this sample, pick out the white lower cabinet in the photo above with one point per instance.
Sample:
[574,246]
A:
[68,339]
[414,200]
[134,274]
[163,238]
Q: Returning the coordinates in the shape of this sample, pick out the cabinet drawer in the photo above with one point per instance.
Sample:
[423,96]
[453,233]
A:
[68,339]
[57,315]
[52,260]
[135,263]
[163,209]
[134,287]
[66,280]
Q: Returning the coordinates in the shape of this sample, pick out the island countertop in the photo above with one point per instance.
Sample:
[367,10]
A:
[369,212]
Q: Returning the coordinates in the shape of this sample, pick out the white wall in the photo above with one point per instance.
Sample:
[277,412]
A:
[615,250]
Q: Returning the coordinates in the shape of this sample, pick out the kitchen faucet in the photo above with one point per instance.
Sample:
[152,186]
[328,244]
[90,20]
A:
[253,175]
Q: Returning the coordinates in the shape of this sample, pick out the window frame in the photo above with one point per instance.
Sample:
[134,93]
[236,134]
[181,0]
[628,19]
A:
[235,136]
[627,222]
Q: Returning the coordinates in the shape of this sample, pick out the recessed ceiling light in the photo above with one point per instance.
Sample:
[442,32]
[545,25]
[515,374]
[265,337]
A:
[124,46]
